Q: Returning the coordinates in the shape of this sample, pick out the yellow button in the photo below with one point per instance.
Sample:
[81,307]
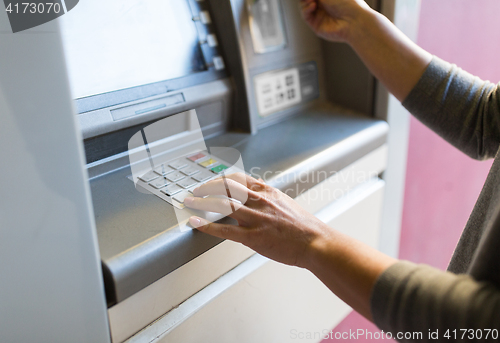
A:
[208,162]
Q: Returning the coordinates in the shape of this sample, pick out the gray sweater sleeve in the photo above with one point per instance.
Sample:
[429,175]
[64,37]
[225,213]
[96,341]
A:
[410,298]
[459,107]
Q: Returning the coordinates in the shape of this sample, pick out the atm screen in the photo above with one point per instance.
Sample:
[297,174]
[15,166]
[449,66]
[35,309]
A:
[117,44]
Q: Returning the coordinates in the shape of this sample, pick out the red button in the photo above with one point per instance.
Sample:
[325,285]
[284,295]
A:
[196,157]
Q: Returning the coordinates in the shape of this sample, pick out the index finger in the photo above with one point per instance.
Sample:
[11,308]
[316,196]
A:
[247,181]
[227,187]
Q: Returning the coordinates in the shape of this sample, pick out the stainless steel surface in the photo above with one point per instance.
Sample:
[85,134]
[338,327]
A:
[303,46]
[51,287]
[321,196]
[175,317]
[230,45]
[321,139]
[350,83]
[152,302]
[136,244]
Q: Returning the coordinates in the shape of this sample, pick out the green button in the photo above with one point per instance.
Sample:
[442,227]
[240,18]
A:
[219,168]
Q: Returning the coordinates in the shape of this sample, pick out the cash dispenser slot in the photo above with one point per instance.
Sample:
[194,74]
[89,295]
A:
[146,107]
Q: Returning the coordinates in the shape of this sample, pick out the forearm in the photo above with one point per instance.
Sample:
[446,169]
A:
[349,268]
[389,55]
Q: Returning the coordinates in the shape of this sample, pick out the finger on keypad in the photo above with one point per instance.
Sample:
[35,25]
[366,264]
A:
[248,181]
[223,186]
[221,205]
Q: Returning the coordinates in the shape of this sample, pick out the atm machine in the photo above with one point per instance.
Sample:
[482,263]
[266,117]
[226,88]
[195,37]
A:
[303,114]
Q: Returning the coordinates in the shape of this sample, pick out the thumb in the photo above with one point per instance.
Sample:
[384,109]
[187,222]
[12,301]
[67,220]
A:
[308,7]
[232,232]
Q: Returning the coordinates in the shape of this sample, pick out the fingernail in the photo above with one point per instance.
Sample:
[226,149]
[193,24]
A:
[197,222]
[188,201]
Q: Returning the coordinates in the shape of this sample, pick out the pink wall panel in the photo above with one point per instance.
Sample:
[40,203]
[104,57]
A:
[442,184]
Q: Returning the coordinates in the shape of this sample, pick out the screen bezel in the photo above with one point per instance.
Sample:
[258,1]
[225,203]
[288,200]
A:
[122,96]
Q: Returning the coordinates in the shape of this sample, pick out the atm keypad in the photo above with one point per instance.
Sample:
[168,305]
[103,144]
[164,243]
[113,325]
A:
[159,183]
[163,170]
[178,164]
[219,168]
[149,176]
[171,190]
[175,176]
[177,179]
[181,196]
[189,171]
[196,157]
[186,183]
[203,176]
[207,163]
